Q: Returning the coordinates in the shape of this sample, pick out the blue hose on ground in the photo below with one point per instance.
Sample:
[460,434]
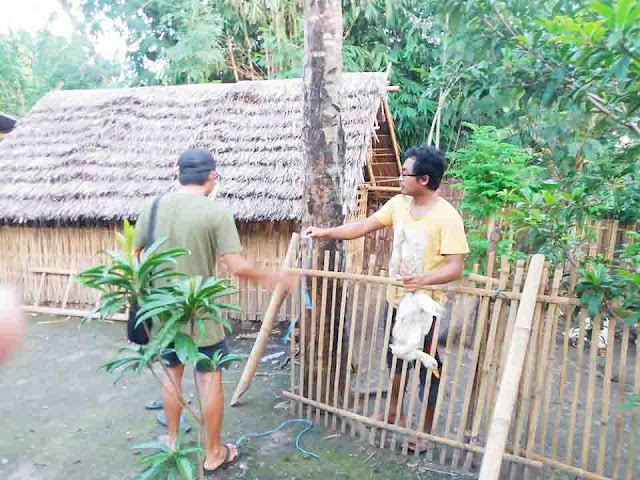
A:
[282,425]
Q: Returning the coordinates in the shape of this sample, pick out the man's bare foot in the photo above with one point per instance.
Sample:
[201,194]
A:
[166,439]
[227,454]
[418,445]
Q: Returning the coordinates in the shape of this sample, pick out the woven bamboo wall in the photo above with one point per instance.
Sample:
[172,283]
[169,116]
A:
[71,248]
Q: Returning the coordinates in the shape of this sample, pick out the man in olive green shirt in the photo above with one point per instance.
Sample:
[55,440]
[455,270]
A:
[188,218]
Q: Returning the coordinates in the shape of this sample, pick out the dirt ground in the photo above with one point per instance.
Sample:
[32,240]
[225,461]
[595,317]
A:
[62,419]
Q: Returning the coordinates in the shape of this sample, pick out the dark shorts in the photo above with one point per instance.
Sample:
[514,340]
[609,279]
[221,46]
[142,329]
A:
[172,360]
[435,381]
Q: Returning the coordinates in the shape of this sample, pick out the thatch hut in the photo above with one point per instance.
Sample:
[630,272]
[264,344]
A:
[84,160]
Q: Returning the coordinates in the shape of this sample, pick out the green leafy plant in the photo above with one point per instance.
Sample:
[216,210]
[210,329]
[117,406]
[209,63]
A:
[180,307]
[545,222]
[167,463]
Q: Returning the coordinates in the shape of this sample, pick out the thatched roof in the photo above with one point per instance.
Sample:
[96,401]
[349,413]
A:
[98,155]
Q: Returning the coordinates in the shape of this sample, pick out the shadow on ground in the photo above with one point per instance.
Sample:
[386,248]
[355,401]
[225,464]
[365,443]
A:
[62,419]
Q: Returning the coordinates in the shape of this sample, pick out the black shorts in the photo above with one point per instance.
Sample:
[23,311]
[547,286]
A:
[435,381]
[172,360]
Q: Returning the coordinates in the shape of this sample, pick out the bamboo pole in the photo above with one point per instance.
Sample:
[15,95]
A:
[292,344]
[313,343]
[334,304]
[70,312]
[387,409]
[363,335]
[405,431]
[277,298]
[549,378]
[392,131]
[336,382]
[542,371]
[563,380]
[511,320]
[444,374]
[576,386]
[415,382]
[500,423]
[523,416]
[303,340]
[481,292]
[591,383]
[606,397]
[468,405]
[618,429]
[484,371]
[373,345]
[352,331]
[578,472]
[382,367]
[323,314]
[633,427]
[467,307]
[427,382]
[398,405]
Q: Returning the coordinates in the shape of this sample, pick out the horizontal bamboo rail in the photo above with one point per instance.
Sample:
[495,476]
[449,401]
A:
[397,429]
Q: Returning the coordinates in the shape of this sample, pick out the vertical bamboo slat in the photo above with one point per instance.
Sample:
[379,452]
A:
[313,329]
[606,398]
[320,386]
[382,366]
[363,336]
[352,332]
[336,381]
[467,307]
[576,386]
[373,344]
[633,427]
[334,306]
[588,411]
[619,415]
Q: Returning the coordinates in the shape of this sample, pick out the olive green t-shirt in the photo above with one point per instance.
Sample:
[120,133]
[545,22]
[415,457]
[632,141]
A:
[203,226]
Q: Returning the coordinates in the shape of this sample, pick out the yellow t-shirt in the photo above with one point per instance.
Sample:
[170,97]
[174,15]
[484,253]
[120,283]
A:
[421,243]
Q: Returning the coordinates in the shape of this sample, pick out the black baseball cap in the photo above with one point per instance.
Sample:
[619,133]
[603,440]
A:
[194,163]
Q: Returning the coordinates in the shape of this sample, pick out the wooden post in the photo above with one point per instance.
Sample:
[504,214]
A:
[277,298]
[499,428]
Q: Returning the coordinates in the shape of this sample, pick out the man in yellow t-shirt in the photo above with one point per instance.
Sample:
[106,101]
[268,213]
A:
[429,245]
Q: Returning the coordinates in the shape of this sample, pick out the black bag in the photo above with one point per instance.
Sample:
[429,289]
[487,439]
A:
[138,334]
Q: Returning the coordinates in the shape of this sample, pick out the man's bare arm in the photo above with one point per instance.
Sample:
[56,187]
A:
[348,231]
[241,266]
[450,271]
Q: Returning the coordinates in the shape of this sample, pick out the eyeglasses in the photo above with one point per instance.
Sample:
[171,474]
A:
[402,174]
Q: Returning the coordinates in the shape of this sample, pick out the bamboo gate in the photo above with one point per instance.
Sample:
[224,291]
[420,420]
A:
[566,420]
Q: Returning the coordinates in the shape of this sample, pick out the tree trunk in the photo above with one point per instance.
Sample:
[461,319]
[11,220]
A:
[324,146]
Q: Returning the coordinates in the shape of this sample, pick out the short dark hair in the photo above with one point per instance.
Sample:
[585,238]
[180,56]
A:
[429,161]
[195,165]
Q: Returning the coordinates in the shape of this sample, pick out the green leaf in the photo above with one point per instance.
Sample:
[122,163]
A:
[185,468]
[605,10]
[152,446]
[593,306]
[186,349]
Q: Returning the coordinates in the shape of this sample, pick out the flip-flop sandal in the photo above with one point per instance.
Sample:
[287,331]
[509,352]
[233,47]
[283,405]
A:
[158,405]
[154,405]
[225,463]
[184,426]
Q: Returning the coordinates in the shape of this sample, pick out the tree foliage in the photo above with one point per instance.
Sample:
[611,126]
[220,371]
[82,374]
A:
[33,65]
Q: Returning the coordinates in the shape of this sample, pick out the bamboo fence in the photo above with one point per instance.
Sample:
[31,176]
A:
[566,419]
